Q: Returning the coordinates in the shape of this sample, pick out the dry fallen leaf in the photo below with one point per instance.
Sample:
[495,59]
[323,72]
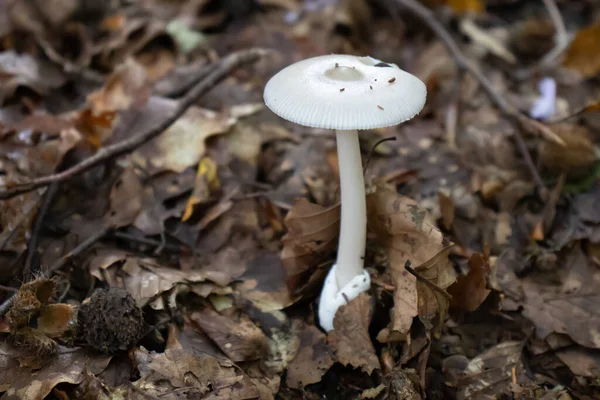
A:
[576,159]
[125,200]
[67,366]
[409,234]
[433,300]
[350,336]
[583,54]
[145,280]
[469,291]
[235,334]
[206,183]
[26,71]
[312,232]
[199,374]
[183,143]
[312,361]
[489,374]
[124,88]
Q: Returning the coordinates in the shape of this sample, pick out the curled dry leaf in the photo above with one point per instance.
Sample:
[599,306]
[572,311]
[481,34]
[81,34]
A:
[236,335]
[350,335]
[409,234]
[489,374]
[469,291]
[311,237]
[436,274]
[312,361]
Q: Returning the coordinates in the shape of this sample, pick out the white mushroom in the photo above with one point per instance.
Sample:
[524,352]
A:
[346,93]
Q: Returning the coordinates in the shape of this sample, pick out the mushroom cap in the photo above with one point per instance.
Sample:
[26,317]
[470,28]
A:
[345,92]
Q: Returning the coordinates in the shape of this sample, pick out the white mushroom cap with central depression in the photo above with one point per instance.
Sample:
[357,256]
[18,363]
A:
[345,92]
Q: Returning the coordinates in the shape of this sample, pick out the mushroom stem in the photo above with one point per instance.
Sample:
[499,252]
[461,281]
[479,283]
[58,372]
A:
[353,226]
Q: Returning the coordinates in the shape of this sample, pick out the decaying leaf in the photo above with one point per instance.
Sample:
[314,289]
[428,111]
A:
[408,234]
[567,307]
[312,232]
[312,361]
[433,300]
[236,335]
[490,373]
[469,291]
[350,336]
[67,366]
[199,374]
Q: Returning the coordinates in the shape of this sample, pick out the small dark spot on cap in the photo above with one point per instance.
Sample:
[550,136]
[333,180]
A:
[383,65]
[392,80]
[342,89]
[354,286]
[337,65]
[371,87]
[378,106]
[364,279]
[375,80]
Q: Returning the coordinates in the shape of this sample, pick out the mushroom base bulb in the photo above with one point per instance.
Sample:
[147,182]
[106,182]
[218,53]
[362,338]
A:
[332,297]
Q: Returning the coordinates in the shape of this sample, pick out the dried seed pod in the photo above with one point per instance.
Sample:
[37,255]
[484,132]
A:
[110,320]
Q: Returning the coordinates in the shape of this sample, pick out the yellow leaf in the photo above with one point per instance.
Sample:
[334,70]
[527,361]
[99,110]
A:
[206,183]
[583,54]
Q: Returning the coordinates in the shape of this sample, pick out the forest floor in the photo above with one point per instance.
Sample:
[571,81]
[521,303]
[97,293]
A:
[163,234]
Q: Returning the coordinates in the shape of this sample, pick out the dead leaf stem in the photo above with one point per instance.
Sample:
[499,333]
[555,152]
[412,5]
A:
[223,68]
[426,281]
[462,62]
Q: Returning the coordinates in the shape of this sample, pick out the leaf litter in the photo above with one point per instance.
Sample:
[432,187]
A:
[217,230]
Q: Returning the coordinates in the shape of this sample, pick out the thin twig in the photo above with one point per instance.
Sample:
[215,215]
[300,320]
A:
[426,281]
[224,68]
[388,139]
[37,228]
[462,62]
[83,246]
[151,242]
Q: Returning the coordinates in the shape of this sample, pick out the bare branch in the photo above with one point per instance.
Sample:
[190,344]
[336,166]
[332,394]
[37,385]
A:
[222,69]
